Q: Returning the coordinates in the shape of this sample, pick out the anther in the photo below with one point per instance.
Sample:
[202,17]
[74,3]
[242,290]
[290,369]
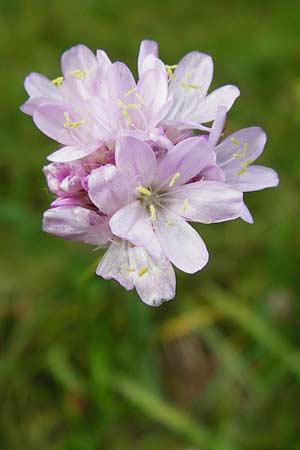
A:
[57,81]
[174,179]
[235,141]
[78,73]
[170,223]
[143,190]
[170,70]
[128,268]
[152,212]
[244,152]
[131,91]
[244,166]
[185,204]
[142,271]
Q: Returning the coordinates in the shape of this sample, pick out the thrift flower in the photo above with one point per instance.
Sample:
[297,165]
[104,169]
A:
[159,198]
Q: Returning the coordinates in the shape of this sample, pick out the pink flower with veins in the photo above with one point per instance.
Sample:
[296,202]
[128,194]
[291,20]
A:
[234,158]
[155,199]
[146,269]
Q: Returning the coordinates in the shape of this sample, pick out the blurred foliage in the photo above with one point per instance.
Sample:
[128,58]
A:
[84,364]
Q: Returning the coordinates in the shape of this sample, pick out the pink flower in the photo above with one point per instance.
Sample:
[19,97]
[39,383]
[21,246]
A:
[189,82]
[159,198]
[235,155]
[145,269]
[82,73]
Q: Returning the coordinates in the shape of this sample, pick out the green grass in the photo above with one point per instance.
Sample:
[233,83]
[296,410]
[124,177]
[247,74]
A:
[84,364]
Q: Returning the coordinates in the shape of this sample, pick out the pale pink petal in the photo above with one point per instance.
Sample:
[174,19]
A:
[136,159]
[70,153]
[77,224]
[207,109]
[155,280]
[229,149]
[218,126]
[120,81]
[184,161]
[153,87]
[51,119]
[103,59]
[37,85]
[189,84]
[109,189]
[256,178]
[115,264]
[147,48]
[206,202]
[246,215]
[40,91]
[77,58]
[239,150]
[181,244]
[132,223]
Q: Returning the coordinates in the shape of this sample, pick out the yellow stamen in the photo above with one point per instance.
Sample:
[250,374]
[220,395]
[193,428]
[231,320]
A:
[142,271]
[235,141]
[131,91]
[121,103]
[133,105]
[58,81]
[152,212]
[189,86]
[78,73]
[244,166]
[174,179]
[170,70]
[185,204]
[71,124]
[126,116]
[140,98]
[244,152]
[128,268]
[143,190]
[67,117]
[170,223]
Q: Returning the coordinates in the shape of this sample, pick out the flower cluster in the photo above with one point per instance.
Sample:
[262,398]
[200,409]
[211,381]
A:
[139,160]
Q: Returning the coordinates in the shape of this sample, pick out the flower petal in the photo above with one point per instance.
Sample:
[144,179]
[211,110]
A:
[218,126]
[37,85]
[77,58]
[181,244]
[147,48]
[115,263]
[255,139]
[256,178]
[77,224]
[246,215]
[136,159]
[103,59]
[239,150]
[132,223]
[185,159]
[206,202]
[70,153]
[207,110]
[155,280]
[153,88]
[189,86]
[108,189]
[51,119]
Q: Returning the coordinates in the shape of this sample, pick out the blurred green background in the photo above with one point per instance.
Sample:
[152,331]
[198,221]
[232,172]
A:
[84,364]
